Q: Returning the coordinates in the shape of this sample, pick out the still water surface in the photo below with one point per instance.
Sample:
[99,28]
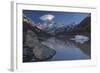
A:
[65,49]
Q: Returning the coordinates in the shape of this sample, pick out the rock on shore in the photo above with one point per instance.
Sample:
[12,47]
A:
[40,51]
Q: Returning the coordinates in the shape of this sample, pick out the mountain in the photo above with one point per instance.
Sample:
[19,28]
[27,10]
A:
[65,28]
[55,28]
[83,26]
[28,24]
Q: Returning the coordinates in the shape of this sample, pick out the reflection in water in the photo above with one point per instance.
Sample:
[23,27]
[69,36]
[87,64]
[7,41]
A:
[65,49]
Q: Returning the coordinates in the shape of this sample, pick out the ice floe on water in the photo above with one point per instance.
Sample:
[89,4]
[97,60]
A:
[80,39]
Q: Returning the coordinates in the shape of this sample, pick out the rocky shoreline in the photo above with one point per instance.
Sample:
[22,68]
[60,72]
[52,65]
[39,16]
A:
[36,49]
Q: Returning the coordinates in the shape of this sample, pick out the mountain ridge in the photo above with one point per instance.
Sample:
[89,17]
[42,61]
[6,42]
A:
[83,26]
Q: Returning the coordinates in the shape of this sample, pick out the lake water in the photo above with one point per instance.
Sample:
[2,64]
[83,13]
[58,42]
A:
[65,49]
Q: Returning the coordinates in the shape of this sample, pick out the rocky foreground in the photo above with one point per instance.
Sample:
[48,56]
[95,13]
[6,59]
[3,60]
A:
[32,47]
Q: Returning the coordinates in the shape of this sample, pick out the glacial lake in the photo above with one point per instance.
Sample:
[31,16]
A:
[66,49]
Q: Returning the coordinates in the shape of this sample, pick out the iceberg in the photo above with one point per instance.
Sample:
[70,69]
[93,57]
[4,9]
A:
[80,39]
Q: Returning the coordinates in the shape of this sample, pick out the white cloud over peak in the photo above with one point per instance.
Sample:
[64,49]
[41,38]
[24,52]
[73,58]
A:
[47,17]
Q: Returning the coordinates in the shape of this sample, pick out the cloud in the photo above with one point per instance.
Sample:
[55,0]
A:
[47,17]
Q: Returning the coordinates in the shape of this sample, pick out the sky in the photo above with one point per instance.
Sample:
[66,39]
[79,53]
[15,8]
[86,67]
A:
[58,17]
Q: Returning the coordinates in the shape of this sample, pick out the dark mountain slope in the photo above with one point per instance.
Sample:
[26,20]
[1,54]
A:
[29,25]
[84,26]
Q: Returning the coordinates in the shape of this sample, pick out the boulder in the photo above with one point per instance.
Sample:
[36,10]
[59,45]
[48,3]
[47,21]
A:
[43,53]
[40,51]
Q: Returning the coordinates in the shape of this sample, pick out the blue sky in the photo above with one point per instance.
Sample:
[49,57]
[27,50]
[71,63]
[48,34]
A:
[59,17]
